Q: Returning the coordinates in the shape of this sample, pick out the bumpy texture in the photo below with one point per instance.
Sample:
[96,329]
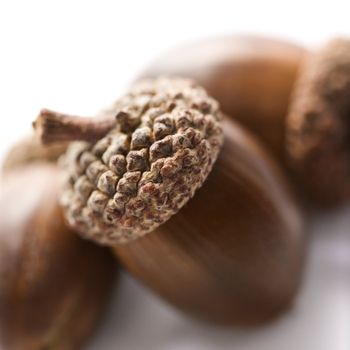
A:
[165,142]
[318,125]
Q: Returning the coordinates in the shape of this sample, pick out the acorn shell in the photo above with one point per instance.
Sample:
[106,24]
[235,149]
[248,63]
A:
[30,150]
[54,286]
[250,76]
[234,253]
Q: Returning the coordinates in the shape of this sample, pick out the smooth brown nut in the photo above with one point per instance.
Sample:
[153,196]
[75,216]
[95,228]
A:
[234,253]
[53,285]
[30,150]
[318,125]
[165,142]
[251,77]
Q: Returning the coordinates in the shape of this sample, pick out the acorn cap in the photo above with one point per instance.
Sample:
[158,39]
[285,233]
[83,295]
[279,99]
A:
[318,126]
[166,138]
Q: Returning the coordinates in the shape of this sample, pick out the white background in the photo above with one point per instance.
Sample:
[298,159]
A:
[78,56]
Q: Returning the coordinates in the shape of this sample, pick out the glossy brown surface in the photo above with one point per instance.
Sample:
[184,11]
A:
[234,253]
[53,285]
[30,150]
[251,77]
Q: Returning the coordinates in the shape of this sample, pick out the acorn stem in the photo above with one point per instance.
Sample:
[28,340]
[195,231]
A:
[51,127]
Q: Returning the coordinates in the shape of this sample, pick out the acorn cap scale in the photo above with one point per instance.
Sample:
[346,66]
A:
[165,140]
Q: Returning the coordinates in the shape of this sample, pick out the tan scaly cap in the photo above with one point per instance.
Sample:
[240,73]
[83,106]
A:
[163,147]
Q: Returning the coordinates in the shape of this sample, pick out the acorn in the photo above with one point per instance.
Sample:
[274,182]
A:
[30,150]
[233,254]
[54,286]
[318,126]
[250,76]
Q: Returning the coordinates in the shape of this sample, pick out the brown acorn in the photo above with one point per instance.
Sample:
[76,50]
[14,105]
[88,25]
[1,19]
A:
[234,253]
[318,125]
[250,76]
[54,286]
[31,150]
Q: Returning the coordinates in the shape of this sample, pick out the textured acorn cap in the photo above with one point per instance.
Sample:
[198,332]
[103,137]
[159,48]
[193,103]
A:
[166,139]
[318,124]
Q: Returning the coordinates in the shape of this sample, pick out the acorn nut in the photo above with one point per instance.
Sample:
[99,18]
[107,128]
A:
[250,76]
[30,150]
[54,286]
[232,254]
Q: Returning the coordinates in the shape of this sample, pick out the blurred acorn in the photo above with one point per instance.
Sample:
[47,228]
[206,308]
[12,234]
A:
[31,150]
[251,77]
[318,125]
[54,286]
